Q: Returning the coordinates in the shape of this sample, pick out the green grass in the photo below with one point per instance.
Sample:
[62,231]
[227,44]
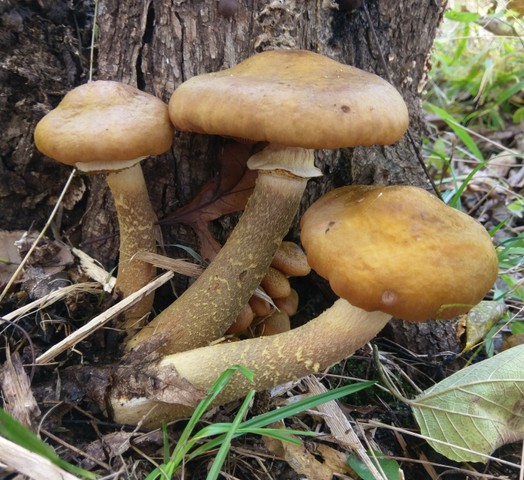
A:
[476,88]
[218,436]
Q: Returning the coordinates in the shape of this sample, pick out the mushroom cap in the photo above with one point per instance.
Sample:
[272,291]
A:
[294,98]
[399,250]
[102,123]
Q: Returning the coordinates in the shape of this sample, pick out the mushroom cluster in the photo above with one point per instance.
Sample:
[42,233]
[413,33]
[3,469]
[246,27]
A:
[296,101]
[271,315]
[387,251]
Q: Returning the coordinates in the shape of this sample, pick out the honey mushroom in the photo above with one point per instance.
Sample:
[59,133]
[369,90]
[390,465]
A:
[109,127]
[296,101]
[389,250]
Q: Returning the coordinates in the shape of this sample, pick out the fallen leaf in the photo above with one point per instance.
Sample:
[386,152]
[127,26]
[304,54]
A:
[389,466]
[9,256]
[480,320]
[477,409]
[302,461]
[228,193]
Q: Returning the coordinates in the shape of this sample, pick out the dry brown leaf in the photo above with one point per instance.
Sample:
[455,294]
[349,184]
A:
[9,256]
[228,193]
[302,461]
[18,397]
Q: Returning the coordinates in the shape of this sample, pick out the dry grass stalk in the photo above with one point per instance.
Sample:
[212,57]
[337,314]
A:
[341,428]
[102,319]
[30,464]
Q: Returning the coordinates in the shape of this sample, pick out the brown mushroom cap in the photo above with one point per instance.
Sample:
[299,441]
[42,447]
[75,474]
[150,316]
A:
[291,260]
[294,98]
[104,122]
[399,250]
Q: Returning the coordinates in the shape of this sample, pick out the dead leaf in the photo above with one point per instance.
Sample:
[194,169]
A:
[228,193]
[479,321]
[323,465]
[18,397]
[107,447]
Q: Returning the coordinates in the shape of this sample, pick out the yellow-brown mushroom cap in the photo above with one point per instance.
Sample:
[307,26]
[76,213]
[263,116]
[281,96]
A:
[399,250]
[294,98]
[104,122]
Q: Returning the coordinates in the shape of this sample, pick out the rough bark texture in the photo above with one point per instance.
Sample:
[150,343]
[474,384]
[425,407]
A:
[156,45]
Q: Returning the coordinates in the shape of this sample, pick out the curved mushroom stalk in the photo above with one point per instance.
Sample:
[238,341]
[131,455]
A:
[296,101]
[208,308]
[274,360]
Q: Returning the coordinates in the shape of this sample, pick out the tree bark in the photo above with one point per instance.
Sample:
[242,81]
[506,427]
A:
[157,44]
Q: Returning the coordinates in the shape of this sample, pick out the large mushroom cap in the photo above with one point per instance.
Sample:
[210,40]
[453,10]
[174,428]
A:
[399,250]
[103,122]
[294,98]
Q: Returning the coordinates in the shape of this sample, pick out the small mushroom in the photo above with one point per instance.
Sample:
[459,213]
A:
[411,242]
[242,322]
[109,127]
[276,284]
[277,322]
[297,101]
[291,260]
[288,304]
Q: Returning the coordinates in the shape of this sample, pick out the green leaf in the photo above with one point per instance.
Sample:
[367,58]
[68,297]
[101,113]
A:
[389,466]
[510,91]
[459,131]
[265,419]
[21,435]
[518,116]
[223,451]
[477,409]
[517,327]
[465,17]
[516,207]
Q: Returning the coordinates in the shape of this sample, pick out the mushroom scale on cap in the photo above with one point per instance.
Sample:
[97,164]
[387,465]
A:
[297,101]
[343,328]
[108,127]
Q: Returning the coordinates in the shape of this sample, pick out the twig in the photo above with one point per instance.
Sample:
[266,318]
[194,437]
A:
[40,236]
[102,319]
[30,464]
[390,80]
[341,428]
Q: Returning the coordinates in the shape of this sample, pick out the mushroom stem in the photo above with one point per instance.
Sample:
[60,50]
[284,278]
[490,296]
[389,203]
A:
[274,360]
[206,310]
[136,220]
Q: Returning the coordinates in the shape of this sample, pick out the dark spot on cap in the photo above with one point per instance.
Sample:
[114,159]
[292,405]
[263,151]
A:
[345,108]
[330,224]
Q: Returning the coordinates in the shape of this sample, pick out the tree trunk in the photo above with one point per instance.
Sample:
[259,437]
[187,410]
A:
[157,44]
